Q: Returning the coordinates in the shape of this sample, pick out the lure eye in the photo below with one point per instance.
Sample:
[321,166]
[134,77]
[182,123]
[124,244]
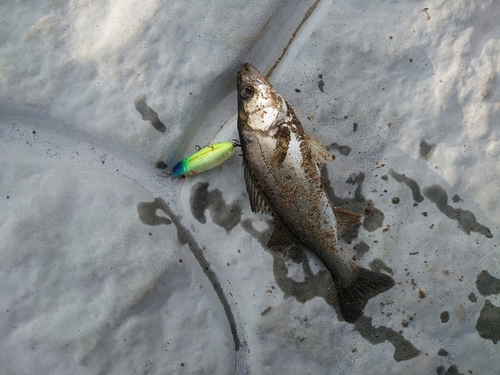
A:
[246,93]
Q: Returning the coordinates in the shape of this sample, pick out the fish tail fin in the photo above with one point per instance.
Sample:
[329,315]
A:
[353,298]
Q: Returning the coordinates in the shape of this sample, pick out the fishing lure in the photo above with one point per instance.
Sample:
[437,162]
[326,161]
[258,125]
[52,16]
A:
[204,159]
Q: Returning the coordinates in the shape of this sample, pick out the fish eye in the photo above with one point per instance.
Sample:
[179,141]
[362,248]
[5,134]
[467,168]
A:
[246,93]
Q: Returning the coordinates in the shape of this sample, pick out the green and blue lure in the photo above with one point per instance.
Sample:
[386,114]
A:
[204,159]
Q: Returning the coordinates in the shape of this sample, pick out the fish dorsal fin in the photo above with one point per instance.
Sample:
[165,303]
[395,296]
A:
[319,151]
[257,201]
[281,237]
[345,220]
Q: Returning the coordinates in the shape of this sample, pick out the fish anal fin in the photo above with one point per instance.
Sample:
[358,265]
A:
[319,151]
[346,220]
[353,298]
[257,200]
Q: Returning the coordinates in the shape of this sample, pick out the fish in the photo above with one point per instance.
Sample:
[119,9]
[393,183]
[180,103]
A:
[204,159]
[282,170]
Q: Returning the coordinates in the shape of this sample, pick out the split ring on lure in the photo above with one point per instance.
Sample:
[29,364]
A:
[204,159]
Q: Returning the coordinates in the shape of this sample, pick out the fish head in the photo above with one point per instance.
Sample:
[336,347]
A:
[260,107]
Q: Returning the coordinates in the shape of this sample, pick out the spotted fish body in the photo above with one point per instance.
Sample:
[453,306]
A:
[204,159]
[283,178]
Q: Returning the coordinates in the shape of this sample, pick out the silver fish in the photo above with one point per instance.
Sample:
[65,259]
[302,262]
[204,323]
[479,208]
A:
[283,178]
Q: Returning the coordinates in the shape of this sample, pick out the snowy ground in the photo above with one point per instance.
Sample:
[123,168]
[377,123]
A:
[108,266]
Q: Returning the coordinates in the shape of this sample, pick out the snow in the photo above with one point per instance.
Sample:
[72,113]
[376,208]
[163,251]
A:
[110,266]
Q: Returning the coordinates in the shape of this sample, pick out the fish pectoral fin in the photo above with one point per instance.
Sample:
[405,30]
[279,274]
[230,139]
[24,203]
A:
[319,151]
[257,201]
[346,220]
[281,237]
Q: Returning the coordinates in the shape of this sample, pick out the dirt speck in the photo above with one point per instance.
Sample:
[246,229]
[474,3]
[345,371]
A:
[445,317]
[487,284]
[426,149]
[472,297]
[466,220]
[412,184]
[161,165]
[321,85]
[442,352]
[488,323]
[148,114]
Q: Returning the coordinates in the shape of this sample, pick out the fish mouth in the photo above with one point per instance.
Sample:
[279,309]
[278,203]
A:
[250,73]
[251,69]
